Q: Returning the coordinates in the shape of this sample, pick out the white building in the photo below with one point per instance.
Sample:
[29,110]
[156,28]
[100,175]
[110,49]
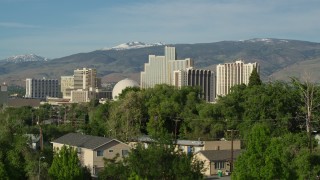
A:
[230,74]
[121,85]
[42,88]
[159,69]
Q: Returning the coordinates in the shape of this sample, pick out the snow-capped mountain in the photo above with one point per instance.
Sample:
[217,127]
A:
[133,45]
[267,40]
[25,58]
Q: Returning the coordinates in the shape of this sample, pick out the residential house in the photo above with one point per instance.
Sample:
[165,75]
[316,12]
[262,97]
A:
[92,149]
[217,160]
[191,146]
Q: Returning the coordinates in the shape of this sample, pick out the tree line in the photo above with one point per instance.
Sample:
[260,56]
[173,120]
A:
[274,120]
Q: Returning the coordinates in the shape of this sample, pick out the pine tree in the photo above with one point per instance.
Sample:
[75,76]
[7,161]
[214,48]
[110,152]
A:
[254,79]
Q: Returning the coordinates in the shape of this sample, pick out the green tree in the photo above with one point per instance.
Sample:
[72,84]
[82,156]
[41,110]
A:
[66,165]
[254,79]
[158,161]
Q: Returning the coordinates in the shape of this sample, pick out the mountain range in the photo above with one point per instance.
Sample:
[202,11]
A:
[279,59]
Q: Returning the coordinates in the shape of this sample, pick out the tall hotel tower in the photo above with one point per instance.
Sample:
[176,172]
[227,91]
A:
[159,69]
[230,74]
[205,79]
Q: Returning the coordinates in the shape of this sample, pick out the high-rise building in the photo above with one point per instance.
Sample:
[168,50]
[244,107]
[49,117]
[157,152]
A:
[3,94]
[230,74]
[85,78]
[205,79]
[159,69]
[41,88]
[67,85]
[82,86]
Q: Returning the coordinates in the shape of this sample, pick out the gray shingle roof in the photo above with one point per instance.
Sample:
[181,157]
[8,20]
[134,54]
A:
[81,140]
[220,155]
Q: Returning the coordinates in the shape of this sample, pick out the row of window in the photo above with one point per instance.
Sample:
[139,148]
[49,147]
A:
[124,153]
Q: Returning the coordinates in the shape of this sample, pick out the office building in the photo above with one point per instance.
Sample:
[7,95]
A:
[159,69]
[204,79]
[85,79]
[67,85]
[41,88]
[230,74]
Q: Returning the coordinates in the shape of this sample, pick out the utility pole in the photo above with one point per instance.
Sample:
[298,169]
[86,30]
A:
[176,128]
[231,155]
[41,135]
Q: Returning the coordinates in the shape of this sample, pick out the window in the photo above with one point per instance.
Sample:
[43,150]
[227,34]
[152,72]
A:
[125,153]
[100,153]
[219,165]
[110,150]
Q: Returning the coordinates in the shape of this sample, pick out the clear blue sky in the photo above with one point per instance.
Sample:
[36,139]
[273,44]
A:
[57,28]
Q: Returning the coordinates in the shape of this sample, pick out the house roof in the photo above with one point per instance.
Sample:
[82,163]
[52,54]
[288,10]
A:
[220,155]
[81,140]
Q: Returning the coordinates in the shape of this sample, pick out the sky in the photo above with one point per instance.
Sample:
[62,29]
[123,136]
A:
[58,28]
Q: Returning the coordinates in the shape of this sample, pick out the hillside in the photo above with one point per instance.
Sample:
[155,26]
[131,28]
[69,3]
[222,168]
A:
[279,59]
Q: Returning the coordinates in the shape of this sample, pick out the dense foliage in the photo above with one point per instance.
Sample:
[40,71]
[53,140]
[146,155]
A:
[66,165]
[158,161]
[270,119]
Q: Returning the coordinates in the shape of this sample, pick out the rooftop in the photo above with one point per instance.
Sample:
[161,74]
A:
[81,140]
[220,155]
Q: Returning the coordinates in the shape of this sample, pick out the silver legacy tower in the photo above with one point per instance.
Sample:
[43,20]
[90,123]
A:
[159,69]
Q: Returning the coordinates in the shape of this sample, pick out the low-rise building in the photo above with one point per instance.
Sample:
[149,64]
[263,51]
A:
[192,146]
[217,160]
[92,149]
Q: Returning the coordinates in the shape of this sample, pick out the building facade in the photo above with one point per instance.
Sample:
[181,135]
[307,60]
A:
[159,69]
[67,85]
[93,150]
[205,79]
[3,94]
[85,78]
[42,88]
[230,74]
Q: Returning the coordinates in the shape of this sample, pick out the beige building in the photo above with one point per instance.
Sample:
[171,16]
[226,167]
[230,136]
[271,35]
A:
[82,86]
[217,160]
[85,78]
[190,146]
[159,69]
[67,84]
[92,149]
[230,74]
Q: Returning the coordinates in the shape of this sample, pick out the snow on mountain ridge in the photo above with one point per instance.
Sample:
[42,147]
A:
[25,58]
[133,45]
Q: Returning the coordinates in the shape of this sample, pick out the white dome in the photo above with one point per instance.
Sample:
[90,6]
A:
[121,85]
